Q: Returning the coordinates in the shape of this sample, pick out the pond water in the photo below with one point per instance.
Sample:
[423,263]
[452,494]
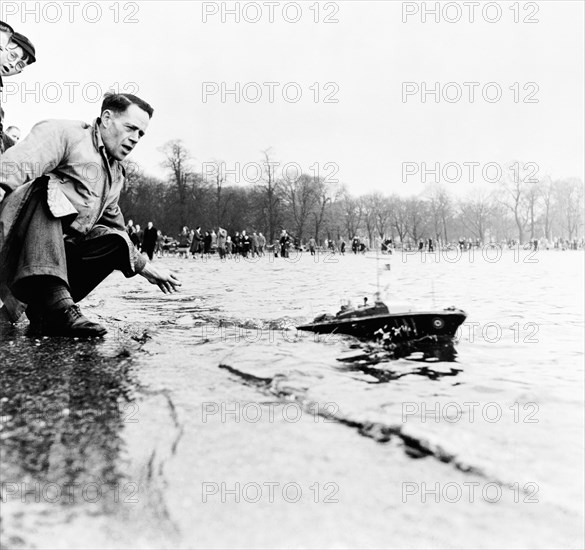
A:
[204,419]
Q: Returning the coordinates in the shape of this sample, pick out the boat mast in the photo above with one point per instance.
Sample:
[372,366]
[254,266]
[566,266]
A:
[377,271]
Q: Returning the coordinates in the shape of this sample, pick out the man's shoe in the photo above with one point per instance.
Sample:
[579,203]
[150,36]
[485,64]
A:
[66,322]
[34,314]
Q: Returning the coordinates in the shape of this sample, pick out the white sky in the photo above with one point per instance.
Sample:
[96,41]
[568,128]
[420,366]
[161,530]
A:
[169,52]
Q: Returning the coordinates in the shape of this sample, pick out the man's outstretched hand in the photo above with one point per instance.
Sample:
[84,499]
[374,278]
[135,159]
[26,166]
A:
[164,278]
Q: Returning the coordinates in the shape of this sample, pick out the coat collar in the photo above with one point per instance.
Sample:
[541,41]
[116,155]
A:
[98,143]
[97,136]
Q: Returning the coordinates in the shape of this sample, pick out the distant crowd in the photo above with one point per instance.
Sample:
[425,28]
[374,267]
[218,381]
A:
[198,243]
[428,245]
[193,243]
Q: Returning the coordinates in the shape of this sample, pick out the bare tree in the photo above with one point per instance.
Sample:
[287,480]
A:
[399,216]
[325,194]
[475,211]
[441,207]
[570,199]
[370,207]
[218,182]
[376,215]
[547,188]
[416,216]
[300,196]
[382,214]
[514,199]
[354,213]
[177,160]
[533,194]
[270,189]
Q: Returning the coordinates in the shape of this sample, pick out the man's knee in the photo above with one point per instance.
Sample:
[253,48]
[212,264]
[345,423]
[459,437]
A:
[92,260]
[110,248]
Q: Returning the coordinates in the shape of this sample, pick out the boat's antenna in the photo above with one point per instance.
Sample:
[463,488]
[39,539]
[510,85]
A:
[377,270]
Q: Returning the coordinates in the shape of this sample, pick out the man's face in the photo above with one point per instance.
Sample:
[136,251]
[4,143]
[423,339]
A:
[122,131]
[11,62]
[13,133]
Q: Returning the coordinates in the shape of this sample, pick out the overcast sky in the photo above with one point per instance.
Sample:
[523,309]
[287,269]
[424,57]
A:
[166,52]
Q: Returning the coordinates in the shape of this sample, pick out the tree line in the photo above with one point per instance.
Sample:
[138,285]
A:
[309,205]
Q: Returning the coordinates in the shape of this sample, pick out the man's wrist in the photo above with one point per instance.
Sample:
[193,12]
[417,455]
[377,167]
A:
[140,263]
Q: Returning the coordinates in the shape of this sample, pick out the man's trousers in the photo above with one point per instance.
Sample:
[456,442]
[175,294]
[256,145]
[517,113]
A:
[48,248]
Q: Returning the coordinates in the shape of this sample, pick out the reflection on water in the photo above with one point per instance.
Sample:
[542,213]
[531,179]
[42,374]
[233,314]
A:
[427,349]
[62,408]
[388,375]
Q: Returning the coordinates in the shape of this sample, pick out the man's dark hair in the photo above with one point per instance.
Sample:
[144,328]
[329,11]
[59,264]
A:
[118,103]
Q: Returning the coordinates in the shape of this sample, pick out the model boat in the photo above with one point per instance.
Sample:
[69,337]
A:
[377,322]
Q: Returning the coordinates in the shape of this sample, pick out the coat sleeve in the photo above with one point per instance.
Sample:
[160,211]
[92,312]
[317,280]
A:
[113,218]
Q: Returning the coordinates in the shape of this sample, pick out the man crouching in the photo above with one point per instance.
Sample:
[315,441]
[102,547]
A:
[61,229]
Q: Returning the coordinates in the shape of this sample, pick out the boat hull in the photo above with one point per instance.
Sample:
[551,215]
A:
[395,327]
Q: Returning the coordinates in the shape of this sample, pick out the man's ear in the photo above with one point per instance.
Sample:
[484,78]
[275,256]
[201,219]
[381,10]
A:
[106,118]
